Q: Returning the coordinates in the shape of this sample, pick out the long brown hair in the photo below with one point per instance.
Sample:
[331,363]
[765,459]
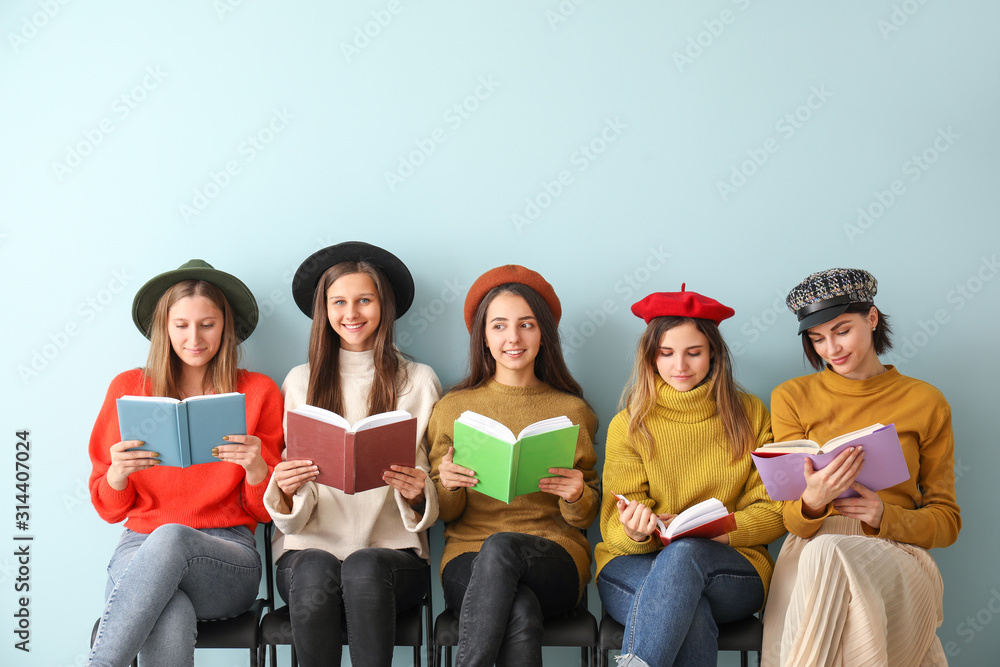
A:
[550,367]
[639,397]
[164,367]
[325,390]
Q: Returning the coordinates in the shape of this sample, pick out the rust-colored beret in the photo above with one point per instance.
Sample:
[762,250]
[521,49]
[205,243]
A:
[502,275]
[681,304]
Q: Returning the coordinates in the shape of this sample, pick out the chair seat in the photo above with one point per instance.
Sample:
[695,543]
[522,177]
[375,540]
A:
[238,631]
[744,636]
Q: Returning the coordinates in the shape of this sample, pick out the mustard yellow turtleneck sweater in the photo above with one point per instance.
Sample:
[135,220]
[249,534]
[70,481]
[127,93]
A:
[922,510]
[692,462]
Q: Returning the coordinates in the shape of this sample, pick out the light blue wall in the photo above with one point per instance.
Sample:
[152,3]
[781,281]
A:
[120,120]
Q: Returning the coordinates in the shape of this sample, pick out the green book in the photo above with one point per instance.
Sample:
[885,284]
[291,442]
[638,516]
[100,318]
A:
[508,466]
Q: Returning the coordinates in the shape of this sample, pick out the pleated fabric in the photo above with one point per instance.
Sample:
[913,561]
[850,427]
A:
[841,598]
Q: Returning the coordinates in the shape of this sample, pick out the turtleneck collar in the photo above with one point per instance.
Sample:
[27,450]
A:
[511,390]
[841,385]
[356,361]
[689,407]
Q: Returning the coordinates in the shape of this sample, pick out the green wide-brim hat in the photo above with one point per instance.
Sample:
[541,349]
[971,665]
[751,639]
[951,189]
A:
[240,297]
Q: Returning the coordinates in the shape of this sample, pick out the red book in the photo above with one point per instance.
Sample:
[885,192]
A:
[707,519]
[351,458]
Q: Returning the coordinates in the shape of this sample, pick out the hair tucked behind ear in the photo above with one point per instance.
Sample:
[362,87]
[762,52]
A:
[325,388]
[639,397]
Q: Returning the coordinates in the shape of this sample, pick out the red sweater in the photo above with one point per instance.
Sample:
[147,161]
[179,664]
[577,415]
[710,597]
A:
[209,495]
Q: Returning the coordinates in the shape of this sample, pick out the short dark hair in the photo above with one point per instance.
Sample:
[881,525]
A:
[881,337]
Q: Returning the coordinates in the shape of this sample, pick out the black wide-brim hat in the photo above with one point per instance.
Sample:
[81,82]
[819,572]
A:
[239,296]
[312,269]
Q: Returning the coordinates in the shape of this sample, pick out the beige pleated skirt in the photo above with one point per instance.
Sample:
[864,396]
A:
[842,598]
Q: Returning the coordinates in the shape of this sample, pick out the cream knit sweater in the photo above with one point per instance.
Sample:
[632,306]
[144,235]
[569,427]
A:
[323,517]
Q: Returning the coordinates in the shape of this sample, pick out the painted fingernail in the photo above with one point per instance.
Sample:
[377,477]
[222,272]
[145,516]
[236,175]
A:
[154,453]
[215,451]
[157,461]
[225,437]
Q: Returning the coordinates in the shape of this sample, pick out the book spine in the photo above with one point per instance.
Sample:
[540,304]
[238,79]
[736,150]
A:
[349,462]
[515,457]
[183,434]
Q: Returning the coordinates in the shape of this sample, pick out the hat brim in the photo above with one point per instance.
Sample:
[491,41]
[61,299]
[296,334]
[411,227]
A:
[312,269]
[821,316]
[239,296]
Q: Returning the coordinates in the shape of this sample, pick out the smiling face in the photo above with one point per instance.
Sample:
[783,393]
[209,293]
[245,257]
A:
[684,357]
[195,326]
[845,342]
[513,338]
[354,311]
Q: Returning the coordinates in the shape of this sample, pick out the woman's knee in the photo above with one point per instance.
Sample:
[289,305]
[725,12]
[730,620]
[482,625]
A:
[310,571]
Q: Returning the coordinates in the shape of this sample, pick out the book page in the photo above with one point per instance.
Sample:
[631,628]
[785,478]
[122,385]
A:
[486,425]
[789,446]
[152,399]
[545,426]
[321,415]
[833,443]
[703,512]
[202,397]
[381,419]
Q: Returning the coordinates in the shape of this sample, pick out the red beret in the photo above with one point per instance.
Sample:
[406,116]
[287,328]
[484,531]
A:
[510,273]
[681,304]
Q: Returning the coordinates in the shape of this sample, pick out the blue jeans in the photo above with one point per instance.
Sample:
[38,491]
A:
[160,584]
[371,585]
[503,593]
[670,601]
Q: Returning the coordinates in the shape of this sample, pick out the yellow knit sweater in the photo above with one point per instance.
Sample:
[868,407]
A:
[922,510]
[692,462]
[470,517]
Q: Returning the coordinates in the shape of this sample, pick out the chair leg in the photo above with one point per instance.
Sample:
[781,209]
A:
[744,659]
[416,656]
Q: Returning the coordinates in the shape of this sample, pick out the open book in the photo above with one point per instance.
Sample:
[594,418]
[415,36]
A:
[781,463]
[707,519]
[182,432]
[350,457]
[506,465]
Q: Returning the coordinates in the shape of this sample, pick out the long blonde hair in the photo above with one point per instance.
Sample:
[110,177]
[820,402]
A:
[325,389]
[164,367]
[639,397]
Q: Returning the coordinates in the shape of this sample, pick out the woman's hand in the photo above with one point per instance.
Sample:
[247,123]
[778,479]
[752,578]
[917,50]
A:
[568,485]
[124,462]
[868,508]
[453,476]
[244,450]
[290,475]
[823,486]
[408,481]
[638,521]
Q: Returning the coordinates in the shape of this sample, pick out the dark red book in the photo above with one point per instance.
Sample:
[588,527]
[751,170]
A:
[707,519]
[351,458]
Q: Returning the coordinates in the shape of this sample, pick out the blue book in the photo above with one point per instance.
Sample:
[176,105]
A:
[183,432]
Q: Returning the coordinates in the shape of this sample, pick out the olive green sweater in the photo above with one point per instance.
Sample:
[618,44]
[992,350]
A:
[470,517]
[691,462]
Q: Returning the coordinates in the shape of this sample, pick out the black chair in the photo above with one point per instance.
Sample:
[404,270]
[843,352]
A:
[241,631]
[411,627]
[744,636]
[575,628]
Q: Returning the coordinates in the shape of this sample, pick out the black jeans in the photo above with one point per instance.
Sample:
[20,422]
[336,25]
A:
[371,586]
[503,593]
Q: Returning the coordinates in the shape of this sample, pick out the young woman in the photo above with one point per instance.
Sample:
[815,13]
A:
[839,596]
[506,567]
[188,550]
[363,556]
[684,436]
